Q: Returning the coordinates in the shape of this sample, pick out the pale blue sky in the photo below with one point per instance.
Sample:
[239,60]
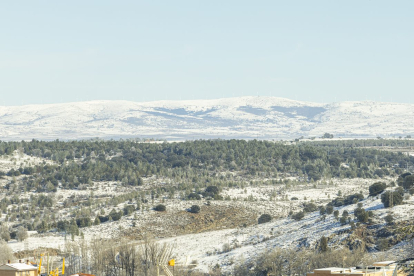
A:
[323,51]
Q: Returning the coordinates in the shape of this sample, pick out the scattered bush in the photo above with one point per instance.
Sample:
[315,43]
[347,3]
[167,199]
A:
[348,200]
[343,220]
[5,252]
[128,209]
[323,244]
[194,196]
[361,215]
[383,244]
[195,209]
[21,234]
[103,219]
[392,198]
[86,222]
[264,218]
[310,207]
[322,210]
[377,188]
[408,182]
[115,215]
[226,247]
[291,261]
[212,189]
[160,208]
[299,215]
[4,233]
[213,192]
[329,209]
[389,219]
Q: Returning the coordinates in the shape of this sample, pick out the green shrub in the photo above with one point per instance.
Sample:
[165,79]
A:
[377,188]
[401,178]
[310,207]
[389,219]
[194,196]
[361,214]
[343,220]
[408,182]
[323,244]
[264,218]
[115,215]
[329,209]
[299,215]
[195,209]
[348,200]
[383,244]
[392,197]
[128,209]
[212,191]
[322,210]
[160,208]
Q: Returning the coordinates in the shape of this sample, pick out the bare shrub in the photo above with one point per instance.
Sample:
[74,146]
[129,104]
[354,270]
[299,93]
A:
[292,262]
[110,258]
[4,232]
[21,234]
[5,252]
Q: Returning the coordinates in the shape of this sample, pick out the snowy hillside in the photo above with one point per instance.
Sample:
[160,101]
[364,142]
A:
[244,117]
[244,243]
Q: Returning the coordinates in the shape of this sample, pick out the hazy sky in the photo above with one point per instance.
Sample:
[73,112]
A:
[324,51]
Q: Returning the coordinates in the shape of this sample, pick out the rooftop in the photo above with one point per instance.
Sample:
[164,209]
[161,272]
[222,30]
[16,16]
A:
[18,267]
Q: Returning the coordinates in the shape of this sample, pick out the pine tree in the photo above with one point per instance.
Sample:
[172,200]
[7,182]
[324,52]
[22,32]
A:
[324,244]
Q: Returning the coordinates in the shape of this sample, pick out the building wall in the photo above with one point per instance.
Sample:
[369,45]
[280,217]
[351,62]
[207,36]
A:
[18,273]
[8,273]
[379,272]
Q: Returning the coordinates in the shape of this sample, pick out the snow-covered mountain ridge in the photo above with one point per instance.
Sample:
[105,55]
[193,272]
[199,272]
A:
[243,117]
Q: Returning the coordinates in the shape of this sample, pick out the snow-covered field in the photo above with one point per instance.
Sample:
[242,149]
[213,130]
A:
[243,117]
[18,159]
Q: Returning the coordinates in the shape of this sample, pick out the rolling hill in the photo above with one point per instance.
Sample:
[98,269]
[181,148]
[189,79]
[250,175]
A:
[243,117]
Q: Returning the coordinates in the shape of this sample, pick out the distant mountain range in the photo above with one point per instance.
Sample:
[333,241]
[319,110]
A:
[243,117]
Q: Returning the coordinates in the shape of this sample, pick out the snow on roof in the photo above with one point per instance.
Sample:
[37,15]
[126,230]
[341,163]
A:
[385,263]
[18,267]
[332,269]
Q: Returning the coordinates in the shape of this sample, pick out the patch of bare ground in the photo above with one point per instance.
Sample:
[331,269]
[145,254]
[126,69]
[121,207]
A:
[24,254]
[210,218]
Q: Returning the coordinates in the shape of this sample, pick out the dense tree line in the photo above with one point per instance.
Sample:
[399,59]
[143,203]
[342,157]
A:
[82,162]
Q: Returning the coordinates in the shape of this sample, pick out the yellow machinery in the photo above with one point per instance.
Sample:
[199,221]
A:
[39,268]
[54,272]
